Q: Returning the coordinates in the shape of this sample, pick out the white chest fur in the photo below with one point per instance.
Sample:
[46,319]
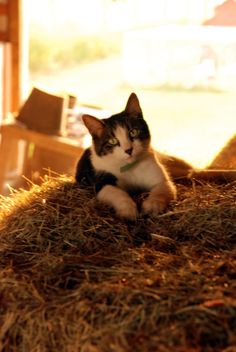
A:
[146,174]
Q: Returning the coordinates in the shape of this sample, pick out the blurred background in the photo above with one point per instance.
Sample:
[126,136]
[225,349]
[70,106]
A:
[179,56]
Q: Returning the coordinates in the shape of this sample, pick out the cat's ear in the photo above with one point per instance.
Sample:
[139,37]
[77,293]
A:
[94,125]
[133,106]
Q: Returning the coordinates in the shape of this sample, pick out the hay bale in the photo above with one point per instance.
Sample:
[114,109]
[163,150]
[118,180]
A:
[75,278]
[226,158]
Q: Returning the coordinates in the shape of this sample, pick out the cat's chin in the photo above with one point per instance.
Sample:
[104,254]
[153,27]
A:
[130,159]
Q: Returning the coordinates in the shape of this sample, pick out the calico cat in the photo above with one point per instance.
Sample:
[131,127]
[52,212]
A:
[121,160]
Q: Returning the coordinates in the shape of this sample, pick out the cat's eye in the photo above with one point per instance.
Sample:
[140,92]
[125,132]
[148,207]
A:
[134,132]
[113,141]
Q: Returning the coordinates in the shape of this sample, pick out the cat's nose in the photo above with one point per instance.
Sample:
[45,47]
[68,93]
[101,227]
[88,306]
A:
[129,151]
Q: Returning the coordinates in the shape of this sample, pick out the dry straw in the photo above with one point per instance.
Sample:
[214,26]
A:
[75,278]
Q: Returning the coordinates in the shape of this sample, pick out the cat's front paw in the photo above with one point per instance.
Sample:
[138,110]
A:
[154,206]
[127,210]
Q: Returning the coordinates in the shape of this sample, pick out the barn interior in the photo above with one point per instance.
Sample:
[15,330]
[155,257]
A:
[74,276]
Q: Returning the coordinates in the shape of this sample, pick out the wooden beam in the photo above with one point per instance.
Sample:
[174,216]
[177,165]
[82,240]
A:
[3,9]
[218,176]
[62,145]
[6,96]
[4,33]
[3,36]
[15,25]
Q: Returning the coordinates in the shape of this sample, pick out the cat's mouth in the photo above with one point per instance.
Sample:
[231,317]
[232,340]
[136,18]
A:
[130,158]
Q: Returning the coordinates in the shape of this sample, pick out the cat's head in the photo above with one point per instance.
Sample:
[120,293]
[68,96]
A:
[124,136]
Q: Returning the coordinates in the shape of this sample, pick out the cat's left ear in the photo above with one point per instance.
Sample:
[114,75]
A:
[133,107]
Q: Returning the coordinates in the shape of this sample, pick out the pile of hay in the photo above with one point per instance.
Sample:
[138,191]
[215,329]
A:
[75,278]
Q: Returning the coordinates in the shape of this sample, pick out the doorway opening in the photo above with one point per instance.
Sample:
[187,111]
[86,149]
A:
[182,71]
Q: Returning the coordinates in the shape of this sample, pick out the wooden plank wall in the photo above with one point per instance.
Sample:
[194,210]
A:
[4,21]
[10,37]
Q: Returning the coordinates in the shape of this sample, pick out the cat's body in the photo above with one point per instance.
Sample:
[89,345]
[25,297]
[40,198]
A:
[121,161]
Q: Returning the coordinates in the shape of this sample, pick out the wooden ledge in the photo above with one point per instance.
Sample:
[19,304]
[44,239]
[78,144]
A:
[58,144]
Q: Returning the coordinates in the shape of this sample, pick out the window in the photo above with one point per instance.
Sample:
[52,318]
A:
[182,71]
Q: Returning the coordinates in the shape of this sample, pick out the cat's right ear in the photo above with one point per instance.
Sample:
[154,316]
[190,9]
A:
[133,106]
[94,125]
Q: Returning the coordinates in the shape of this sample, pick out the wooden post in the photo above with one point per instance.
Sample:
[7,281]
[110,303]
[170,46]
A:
[5,60]
[15,25]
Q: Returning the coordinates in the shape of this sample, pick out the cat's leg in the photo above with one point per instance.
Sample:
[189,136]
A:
[159,198]
[123,204]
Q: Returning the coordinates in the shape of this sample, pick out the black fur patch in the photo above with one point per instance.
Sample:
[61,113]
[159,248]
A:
[104,179]
[85,172]
[87,176]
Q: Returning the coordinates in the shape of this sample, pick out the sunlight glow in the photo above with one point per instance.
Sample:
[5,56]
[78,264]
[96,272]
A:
[184,73]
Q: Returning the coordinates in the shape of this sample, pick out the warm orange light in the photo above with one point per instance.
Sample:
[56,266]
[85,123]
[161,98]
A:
[184,75]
